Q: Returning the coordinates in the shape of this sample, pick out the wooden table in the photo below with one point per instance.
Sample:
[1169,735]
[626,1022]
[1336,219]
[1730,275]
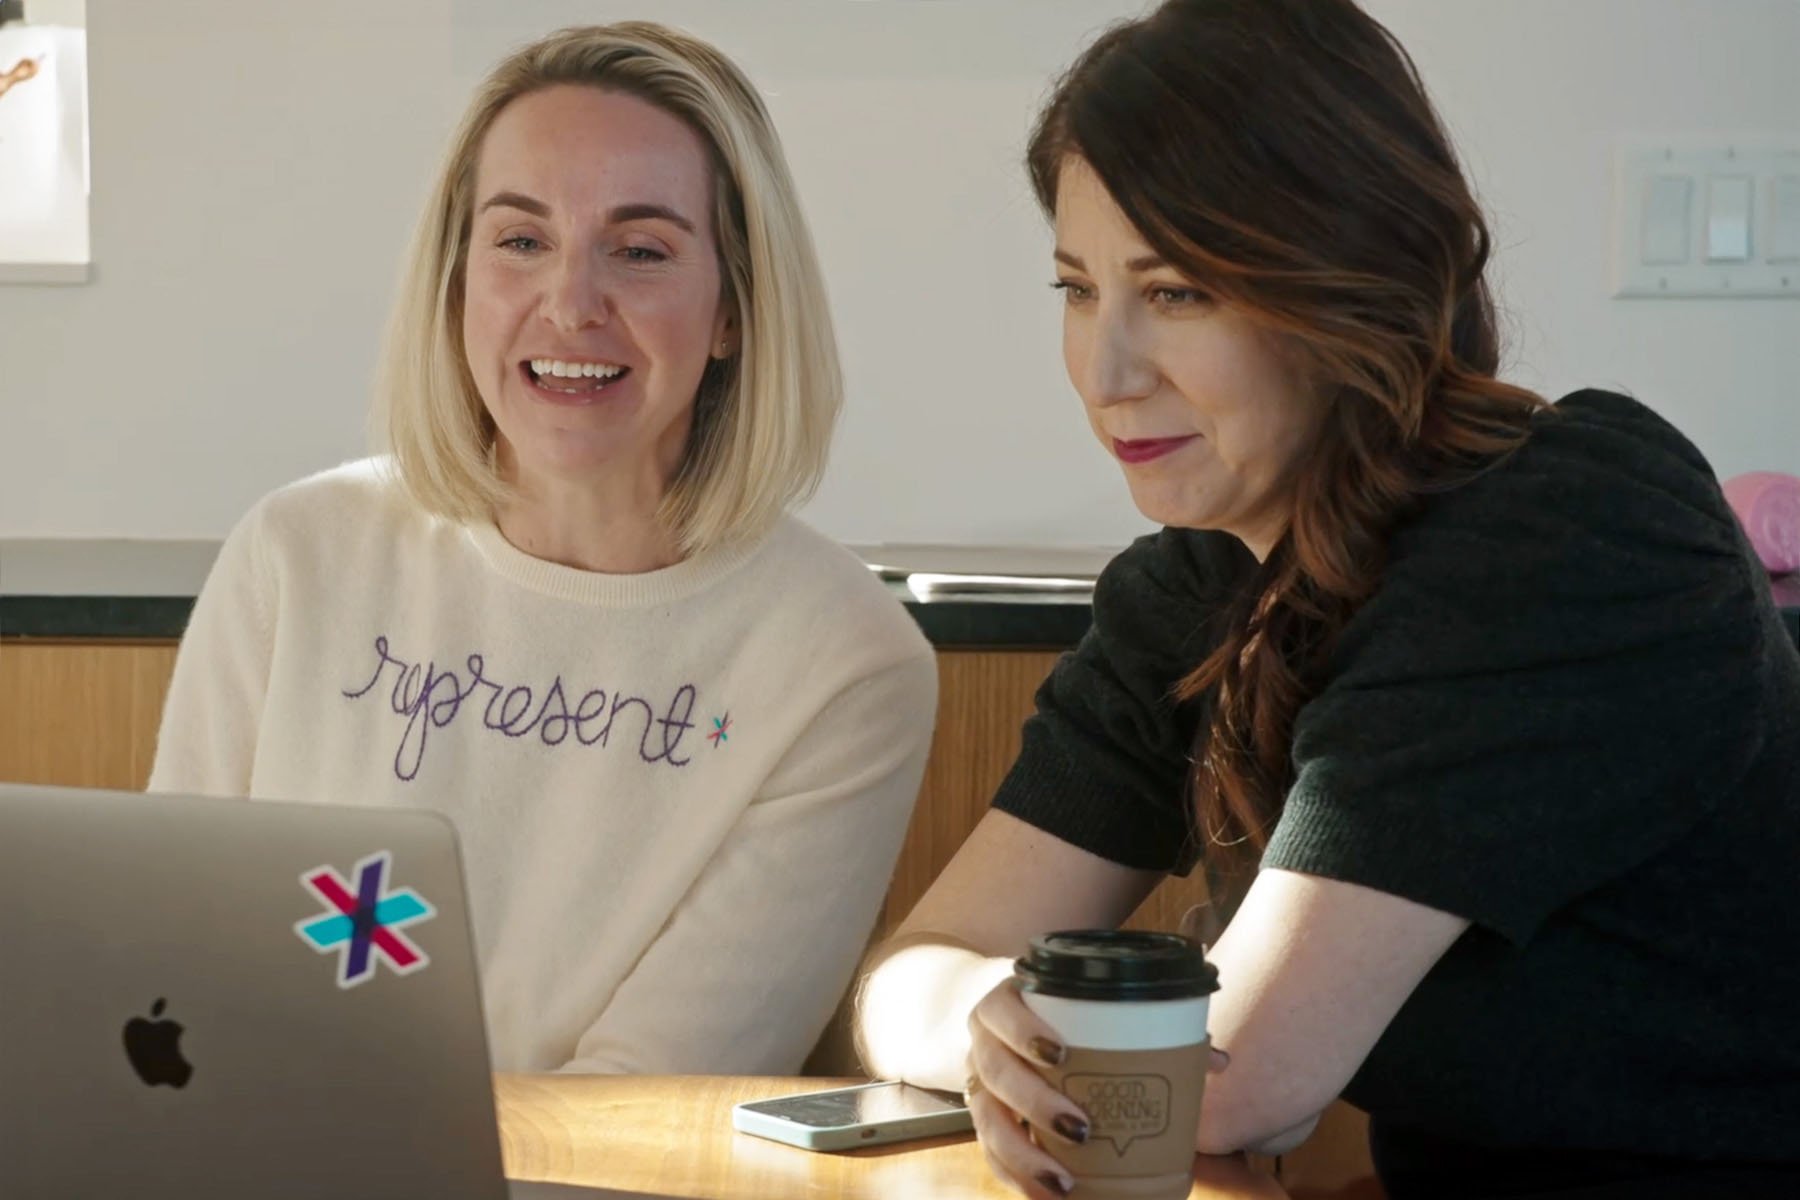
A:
[673,1136]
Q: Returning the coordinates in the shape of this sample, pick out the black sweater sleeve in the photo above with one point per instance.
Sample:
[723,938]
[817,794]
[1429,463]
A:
[1562,672]
[1105,761]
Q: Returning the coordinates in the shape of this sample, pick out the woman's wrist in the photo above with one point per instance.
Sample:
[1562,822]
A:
[913,1020]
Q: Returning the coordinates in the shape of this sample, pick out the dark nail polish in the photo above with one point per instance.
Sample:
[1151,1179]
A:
[1047,1052]
[1071,1127]
[1054,1182]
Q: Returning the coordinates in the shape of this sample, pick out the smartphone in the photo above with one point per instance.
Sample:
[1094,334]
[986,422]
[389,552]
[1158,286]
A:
[869,1114]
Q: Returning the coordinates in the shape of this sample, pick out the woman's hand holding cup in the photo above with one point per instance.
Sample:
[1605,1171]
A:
[1117,1019]
[1006,1094]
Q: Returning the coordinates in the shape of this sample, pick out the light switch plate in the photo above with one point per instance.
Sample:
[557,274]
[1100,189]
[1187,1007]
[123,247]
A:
[1728,218]
[1668,212]
[1699,218]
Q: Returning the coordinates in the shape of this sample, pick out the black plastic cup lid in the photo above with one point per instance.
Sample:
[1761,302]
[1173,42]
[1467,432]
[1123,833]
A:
[1115,964]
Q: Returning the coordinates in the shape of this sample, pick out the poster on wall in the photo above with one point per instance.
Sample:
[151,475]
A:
[43,153]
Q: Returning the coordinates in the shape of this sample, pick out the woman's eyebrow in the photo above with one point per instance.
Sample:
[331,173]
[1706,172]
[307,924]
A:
[1138,265]
[645,211]
[518,200]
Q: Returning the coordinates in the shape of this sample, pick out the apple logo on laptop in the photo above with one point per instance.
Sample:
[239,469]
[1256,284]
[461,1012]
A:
[154,1048]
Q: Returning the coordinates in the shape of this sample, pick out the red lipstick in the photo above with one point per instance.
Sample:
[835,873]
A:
[1142,450]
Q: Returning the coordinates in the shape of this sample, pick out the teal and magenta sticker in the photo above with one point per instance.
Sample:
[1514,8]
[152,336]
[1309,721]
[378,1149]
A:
[364,920]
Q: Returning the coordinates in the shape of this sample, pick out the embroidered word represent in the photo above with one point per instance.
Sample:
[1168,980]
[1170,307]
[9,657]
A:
[430,698]
[364,926]
[721,730]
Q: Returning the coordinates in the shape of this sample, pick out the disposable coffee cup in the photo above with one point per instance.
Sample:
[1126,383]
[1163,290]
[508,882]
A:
[1130,1010]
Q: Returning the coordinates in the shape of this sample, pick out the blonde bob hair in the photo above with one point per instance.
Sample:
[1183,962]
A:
[763,416]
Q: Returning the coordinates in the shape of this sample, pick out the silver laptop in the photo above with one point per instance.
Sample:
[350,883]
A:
[233,998]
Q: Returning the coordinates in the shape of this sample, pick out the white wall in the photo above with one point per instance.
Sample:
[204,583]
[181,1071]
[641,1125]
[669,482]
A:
[257,168]
[72,13]
[1537,93]
[255,171]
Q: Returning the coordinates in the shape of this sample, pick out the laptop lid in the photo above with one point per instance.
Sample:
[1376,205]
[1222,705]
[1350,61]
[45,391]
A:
[237,998]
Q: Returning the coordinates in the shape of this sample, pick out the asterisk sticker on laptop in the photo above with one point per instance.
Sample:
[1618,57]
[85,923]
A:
[365,920]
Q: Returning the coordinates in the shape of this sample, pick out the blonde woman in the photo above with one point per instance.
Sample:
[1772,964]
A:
[570,609]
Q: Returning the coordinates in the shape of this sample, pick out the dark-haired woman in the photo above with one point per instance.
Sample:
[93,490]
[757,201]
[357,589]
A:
[1480,702]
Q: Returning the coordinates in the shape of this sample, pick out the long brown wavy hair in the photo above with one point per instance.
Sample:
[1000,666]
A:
[1284,156]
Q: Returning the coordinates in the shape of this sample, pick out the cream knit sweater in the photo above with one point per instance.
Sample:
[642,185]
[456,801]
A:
[680,794]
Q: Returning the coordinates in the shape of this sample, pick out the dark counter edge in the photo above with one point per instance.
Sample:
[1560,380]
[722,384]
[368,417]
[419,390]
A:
[1014,625]
[951,624]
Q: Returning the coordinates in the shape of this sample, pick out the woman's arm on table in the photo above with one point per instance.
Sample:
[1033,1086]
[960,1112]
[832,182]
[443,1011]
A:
[1009,881]
[1311,971]
[1086,823]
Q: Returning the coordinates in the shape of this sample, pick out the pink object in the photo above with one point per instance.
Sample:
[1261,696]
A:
[1767,504]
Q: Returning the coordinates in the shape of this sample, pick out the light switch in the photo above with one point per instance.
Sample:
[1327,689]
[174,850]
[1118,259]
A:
[1666,224]
[1728,218]
[1714,216]
[1784,218]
